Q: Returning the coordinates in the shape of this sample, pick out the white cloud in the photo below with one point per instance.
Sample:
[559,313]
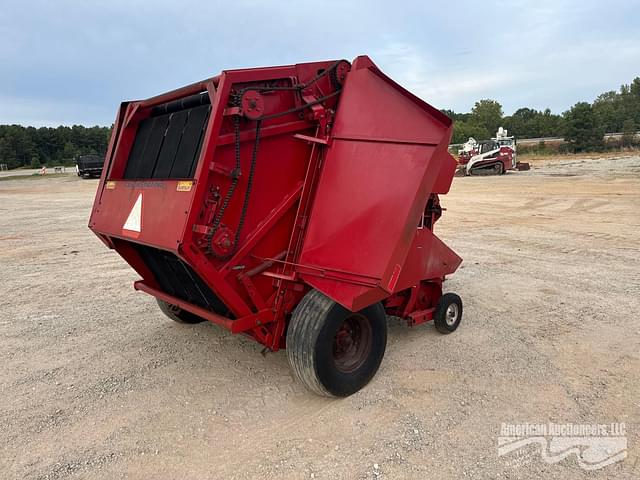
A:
[44,112]
[74,61]
[427,79]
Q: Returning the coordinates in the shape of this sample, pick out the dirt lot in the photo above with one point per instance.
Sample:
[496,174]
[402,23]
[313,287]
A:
[23,172]
[97,384]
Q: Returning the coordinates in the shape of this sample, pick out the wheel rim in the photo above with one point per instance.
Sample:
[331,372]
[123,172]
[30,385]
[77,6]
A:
[352,343]
[451,315]
[176,310]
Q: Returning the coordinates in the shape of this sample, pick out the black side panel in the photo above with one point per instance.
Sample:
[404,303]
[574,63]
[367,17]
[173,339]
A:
[152,149]
[139,144]
[168,145]
[179,280]
[186,160]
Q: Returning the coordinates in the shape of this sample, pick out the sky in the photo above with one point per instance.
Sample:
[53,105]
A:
[72,62]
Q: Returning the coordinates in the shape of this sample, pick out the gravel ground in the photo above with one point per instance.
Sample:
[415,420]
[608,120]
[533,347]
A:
[97,384]
[19,172]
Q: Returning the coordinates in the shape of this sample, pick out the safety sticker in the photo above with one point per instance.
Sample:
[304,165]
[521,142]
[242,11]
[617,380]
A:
[133,225]
[184,186]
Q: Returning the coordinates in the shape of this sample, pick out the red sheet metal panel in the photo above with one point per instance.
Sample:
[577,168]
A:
[388,149]
[428,258]
[138,210]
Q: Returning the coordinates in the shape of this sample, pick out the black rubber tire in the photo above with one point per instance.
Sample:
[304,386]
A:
[311,336]
[440,315]
[177,314]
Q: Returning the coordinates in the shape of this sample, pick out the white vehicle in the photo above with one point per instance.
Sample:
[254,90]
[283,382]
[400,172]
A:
[494,156]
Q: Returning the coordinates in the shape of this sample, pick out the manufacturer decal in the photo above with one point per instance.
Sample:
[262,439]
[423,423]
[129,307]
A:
[145,185]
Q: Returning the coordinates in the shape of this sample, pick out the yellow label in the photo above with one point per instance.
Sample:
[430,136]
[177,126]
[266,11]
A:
[111,185]
[184,186]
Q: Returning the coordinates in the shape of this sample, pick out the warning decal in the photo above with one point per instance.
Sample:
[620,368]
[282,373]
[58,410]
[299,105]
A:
[132,226]
[184,186]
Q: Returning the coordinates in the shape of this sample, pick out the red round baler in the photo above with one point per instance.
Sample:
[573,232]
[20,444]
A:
[294,204]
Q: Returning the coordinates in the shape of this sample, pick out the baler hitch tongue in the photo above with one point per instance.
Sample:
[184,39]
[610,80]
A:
[260,200]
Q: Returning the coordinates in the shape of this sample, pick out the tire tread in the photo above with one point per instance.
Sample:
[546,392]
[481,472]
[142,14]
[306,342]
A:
[304,328]
[439,315]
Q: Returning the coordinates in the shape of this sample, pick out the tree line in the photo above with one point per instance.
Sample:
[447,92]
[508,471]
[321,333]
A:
[583,126]
[29,146]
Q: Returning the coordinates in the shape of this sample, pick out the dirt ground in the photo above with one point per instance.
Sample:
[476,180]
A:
[23,172]
[97,384]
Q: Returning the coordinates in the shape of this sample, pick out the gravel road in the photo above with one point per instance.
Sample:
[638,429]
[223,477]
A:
[20,172]
[97,384]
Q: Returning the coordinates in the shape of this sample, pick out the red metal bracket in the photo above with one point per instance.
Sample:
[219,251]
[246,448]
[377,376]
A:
[248,285]
[221,169]
[422,316]
[231,111]
[134,109]
[251,321]
[201,312]
[264,227]
[307,138]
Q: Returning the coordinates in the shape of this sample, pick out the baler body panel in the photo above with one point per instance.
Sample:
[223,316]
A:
[234,196]
[385,160]
[120,202]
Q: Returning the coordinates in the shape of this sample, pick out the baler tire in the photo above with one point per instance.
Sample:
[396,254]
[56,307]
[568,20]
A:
[312,339]
[442,317]
[177,314]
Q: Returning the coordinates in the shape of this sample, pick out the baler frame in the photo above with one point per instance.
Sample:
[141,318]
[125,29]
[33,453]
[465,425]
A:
[311,94]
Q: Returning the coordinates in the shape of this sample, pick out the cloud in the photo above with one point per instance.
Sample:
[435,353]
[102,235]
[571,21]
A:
[73,61]
[48,112]
[422,75]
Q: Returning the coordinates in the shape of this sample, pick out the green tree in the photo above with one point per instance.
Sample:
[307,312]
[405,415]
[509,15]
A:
[488,114]
[456,117]
[607,109]
[582,131]
[631,104]
[634,88]
[628,133]
[463,130]
[520,123]
[18,144]
[69,152]
[8,153]
[531,123]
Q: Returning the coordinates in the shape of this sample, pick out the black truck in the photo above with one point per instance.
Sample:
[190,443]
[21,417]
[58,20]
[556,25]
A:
[88,166]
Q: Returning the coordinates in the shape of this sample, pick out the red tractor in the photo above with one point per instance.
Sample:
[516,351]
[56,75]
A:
[293,204]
